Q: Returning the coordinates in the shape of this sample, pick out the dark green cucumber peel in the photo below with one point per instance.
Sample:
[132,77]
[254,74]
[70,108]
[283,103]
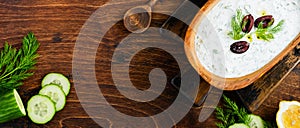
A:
[11,106]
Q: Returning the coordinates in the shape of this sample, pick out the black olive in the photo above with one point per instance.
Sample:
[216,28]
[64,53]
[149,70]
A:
[239,47]
[247,23]
[266,21]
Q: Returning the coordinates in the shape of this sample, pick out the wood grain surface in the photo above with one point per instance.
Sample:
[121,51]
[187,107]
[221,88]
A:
[288,89]
[57,25]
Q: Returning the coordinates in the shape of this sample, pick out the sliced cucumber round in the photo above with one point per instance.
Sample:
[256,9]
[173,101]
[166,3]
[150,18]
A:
[59,79]
[256,121]
[11,106]
[56,94]
[40,109]
[238,125]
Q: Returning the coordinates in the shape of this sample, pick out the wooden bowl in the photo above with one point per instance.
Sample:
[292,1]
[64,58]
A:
[221,82]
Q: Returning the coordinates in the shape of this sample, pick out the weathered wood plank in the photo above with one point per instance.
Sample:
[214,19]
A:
[254,95]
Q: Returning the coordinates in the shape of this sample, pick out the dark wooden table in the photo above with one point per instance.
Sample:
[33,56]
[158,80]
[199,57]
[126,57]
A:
[57,25]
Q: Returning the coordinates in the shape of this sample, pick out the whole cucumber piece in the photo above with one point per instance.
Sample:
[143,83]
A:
[11,106]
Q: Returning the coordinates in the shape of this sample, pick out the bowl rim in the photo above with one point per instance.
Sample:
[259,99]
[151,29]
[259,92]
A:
[218,81]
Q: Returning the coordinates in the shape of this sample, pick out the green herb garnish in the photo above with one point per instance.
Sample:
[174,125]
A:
[14,64]
[225,117]
[231,114]
[267,34]
[236,21]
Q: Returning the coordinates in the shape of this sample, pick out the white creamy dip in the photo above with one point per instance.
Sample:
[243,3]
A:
[212,43]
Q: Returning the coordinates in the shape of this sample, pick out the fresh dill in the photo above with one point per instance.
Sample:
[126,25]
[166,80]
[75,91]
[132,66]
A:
[231,113]
[15,64]
[267,34]
[262,33]
[236,21]
[225,117]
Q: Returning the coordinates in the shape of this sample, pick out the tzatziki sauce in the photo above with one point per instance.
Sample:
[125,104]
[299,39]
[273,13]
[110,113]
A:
[212,43]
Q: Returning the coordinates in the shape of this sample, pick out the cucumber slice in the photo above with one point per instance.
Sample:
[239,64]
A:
[40,109]
[11,106]
[59,79]
[238,125]
[256,121]
[56,94]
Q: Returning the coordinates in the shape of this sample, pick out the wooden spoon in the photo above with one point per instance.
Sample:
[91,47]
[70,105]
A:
[138,19]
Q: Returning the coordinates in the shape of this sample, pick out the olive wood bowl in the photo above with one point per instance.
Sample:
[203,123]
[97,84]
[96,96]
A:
[217,81]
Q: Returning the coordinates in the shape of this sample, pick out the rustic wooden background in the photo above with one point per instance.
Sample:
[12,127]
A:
[57,24]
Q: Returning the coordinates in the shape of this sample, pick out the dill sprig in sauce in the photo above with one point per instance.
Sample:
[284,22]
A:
[237,32]
[263,33]
[267,34]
